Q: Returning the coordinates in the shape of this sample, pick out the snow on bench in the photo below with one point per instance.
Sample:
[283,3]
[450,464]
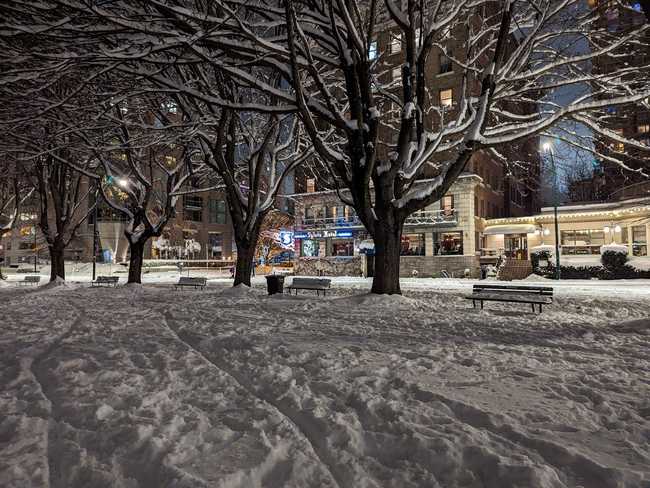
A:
[30,280]
[318,284]
[535,295]
[195,282]
[105,280]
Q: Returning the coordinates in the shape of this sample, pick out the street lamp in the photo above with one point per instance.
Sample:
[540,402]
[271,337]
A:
[549,149]
[95,233]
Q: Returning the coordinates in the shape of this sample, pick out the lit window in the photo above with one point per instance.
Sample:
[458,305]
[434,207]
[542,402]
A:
[170,106]
[619,146]
[311,185]
[396,44]
[446,97]
[170,161]
[643,128]
[372,51]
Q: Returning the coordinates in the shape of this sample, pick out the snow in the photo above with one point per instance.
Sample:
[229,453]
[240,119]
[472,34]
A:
[232,388]
[619,248]
[543,248]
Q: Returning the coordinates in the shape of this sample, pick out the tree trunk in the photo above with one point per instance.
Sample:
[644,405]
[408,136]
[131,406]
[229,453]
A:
[387,238]
[57,267]
[135,262]
[244,266]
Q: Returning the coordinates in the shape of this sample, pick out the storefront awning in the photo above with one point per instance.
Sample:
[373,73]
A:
[509,229]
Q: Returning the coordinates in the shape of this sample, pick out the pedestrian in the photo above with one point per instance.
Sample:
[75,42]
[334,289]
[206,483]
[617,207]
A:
[232,271]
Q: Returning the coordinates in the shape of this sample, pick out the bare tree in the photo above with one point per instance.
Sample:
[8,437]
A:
[396,146]
[252,154]
[145,167]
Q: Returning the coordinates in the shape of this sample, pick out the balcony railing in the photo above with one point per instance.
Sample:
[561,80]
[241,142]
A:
[426,217]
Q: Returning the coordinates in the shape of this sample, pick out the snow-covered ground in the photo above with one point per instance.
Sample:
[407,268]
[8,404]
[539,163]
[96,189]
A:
[147,387]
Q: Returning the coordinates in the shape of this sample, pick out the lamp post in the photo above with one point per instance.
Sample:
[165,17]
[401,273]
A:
[95,233]
[35,251]
[549,150]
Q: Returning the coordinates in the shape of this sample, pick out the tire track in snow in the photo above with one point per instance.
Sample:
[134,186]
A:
[300,426]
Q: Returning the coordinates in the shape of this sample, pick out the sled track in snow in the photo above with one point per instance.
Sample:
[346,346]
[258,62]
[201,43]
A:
[305,431]
[34,368]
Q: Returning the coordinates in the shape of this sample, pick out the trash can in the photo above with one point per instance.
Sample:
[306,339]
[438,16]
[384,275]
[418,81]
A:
[275,284]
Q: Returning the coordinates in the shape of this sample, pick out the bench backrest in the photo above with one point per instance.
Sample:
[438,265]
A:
[324,282]
[108,279]
[192,280]
[32,279]
[538,290]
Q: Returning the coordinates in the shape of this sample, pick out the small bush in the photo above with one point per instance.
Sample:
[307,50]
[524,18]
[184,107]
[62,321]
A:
[613,261]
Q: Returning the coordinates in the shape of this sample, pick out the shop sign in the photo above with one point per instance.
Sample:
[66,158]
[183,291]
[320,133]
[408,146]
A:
[286,238]
[322,233]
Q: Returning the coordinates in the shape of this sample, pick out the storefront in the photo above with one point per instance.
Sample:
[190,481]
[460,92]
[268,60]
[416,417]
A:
[328,242]
[583,229]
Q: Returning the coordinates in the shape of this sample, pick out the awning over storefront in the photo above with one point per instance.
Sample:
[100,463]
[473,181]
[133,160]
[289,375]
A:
[509,229]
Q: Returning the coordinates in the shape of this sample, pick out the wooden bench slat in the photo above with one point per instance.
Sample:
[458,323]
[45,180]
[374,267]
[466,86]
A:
[534,295]
[317,284]
[193,281]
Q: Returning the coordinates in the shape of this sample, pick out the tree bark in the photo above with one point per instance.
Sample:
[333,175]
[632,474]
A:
[388,242]
[244,265]
[57,266]
[135,261]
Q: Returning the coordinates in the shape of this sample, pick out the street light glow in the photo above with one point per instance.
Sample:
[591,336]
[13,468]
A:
[547,146]
[123,182]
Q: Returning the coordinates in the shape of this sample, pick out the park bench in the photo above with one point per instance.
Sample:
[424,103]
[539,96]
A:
[105,280]
[30,280]
[194,282]
[318,284]
[535,295]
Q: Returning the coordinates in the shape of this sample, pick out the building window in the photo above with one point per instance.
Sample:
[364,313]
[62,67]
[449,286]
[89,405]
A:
[215,245]
[309,248]
[447,204]
[193,208]
[639,242]
[216,211]
[372,50]
[446,97]
[447,243]
[412,245]
[445,64]
[395,44]
[314,214]
[582,242]
[643,128]
[342,248]
[170,162]
[311,185]
[170,106]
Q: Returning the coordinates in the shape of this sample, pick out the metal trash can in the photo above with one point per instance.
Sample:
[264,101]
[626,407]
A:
[275,284]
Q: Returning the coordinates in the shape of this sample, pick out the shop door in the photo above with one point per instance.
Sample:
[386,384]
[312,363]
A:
[516,246]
